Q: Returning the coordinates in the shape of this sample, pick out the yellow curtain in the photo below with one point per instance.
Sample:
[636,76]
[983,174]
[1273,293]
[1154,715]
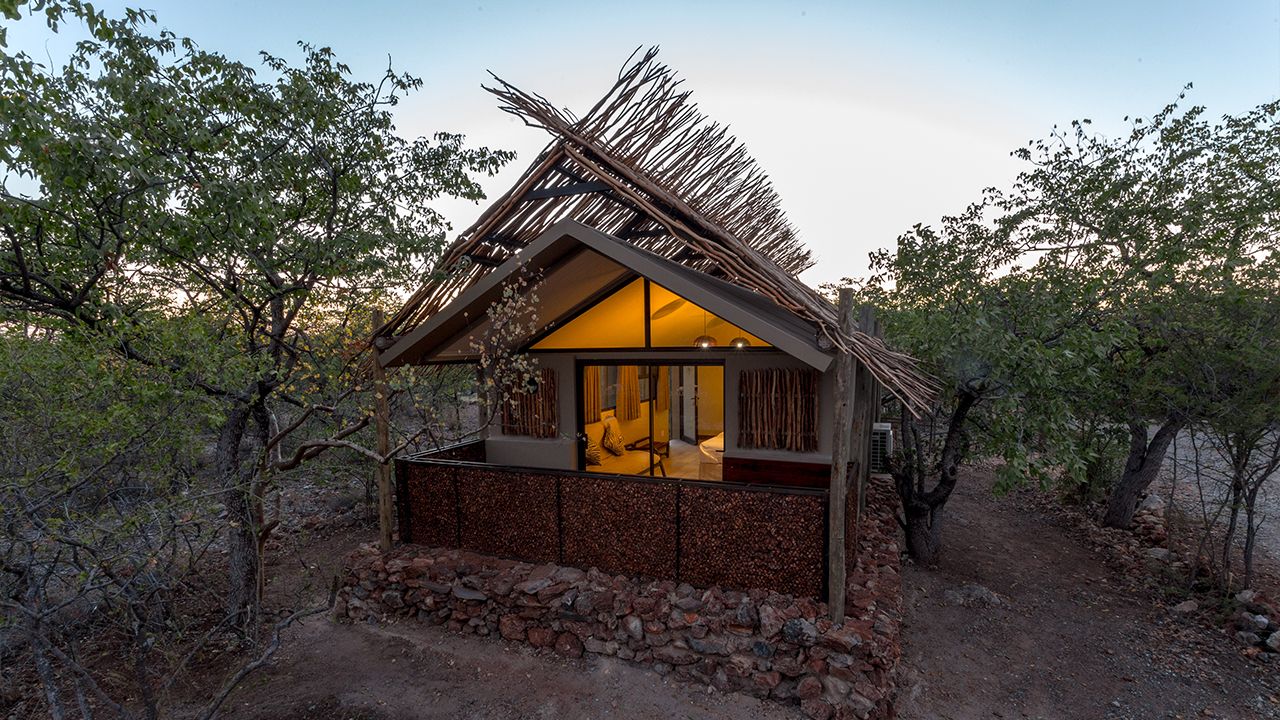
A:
[591,393]
[662,400]
[628,392]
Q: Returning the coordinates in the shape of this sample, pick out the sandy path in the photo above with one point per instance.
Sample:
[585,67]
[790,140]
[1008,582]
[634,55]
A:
[1065,641]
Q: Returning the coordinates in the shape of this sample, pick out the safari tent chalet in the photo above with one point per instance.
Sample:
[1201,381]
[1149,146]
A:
[682,419]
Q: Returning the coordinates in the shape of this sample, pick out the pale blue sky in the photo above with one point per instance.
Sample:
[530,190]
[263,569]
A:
[869,116]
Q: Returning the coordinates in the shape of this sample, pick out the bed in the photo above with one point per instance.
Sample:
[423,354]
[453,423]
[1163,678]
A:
[712,465]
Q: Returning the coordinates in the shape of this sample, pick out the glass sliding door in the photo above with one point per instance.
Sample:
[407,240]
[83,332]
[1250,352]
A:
[656,420]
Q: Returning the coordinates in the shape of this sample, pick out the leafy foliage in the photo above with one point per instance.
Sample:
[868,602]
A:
[189,251]
[1102,292]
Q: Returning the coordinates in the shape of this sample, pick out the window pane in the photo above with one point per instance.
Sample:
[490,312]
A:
[615,322]
[678,323]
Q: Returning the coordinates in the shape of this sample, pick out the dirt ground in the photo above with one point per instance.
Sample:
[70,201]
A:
[1065,641]
[416,670]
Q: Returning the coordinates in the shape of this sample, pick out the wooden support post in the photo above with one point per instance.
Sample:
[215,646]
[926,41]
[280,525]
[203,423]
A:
[382,426]
[864,416]
[839,487]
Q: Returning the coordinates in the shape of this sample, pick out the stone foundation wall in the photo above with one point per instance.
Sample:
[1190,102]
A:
[760,642]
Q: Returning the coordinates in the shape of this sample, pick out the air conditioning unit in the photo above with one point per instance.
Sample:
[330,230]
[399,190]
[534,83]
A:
[881,447]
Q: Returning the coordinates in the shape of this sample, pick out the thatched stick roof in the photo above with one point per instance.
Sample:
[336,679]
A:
[646,166]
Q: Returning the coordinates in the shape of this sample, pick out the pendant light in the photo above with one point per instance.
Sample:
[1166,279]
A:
[740,342]
[704,341]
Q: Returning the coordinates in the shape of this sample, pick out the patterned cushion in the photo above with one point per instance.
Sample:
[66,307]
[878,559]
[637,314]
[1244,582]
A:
[612,440]
[593,451]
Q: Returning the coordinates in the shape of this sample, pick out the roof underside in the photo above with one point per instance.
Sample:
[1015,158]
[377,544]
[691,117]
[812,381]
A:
[645,166]
[570,268]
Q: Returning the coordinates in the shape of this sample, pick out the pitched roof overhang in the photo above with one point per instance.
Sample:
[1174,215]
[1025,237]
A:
[565,243]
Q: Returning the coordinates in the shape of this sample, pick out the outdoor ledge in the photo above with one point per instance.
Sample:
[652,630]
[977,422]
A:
[763,643]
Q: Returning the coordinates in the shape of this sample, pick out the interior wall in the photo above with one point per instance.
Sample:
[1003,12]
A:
[710,400]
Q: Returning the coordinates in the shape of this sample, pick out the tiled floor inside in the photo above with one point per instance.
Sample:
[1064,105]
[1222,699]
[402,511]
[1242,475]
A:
[689,462]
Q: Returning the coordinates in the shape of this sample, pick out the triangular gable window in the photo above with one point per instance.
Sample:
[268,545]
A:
[622,321]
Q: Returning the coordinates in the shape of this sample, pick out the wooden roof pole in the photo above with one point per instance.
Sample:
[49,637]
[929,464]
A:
[864,417]
[382,423]
[838,490]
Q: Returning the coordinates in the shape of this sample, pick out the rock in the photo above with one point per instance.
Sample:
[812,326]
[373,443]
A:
[393,599]
[569,645]
[585,603]
[771,620]
[689,604]
[542,637]
[767,680]
[971,595]
[861,706]
[834,689]
[785,690]
[1244,597]
[634,627]
[567,574]
[844,638]
[1158,553]
[1247,639]
[741,664]
[673,655]
[809,688]
[1246,621]
[815,709]
[1153,504]
[746,615]
[1186,606]
[534,586]
[708,645]
[799,632]
[511,627]
[469,594]
[1273,642]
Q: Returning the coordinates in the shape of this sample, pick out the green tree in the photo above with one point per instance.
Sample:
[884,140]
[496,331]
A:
[192,209]
[1153,218]
[1077,303]
[1009,343]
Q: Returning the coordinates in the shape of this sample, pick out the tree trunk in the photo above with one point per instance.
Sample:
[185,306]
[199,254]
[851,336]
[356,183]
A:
[921,509]
[1140,470]
[1229,538]
[243,565]
[924,540]
[1250,532]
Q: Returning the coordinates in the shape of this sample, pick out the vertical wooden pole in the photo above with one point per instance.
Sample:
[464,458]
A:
[877,404]
[864,415]
[382,423]
[839,487]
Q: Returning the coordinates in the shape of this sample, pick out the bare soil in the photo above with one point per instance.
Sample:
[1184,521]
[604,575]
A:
[416,670]
[1070,638]
[327,669]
